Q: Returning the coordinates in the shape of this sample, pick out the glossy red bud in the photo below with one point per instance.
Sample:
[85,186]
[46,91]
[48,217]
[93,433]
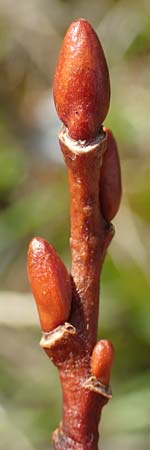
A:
[110,179]
[81,82]
[50,284]
[102,360]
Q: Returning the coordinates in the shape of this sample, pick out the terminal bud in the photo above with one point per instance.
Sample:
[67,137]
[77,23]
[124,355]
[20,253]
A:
[81,82]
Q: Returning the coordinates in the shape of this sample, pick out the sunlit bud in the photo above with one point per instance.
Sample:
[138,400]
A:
[81,82]
[102,360]
[50,284]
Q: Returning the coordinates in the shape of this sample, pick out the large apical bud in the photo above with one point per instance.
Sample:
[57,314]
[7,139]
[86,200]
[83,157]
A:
[50,284]
[102,360]
[81,82]
[110,179]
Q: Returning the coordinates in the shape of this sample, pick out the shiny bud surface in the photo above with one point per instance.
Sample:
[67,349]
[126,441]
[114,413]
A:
[81,82]
[50,284]
[110,179]
[102,360]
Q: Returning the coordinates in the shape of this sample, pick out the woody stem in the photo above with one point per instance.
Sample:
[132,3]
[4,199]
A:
[87,230]
[82,407]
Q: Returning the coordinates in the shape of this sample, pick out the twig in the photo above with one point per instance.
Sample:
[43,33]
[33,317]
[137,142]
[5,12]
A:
[68,307]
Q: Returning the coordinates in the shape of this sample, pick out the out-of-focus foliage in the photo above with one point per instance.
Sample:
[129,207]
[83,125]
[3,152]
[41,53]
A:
[34,201]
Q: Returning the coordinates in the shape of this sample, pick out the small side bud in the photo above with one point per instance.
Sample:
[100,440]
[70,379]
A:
[102,360]
[50,284]
[81,82]
[110,179]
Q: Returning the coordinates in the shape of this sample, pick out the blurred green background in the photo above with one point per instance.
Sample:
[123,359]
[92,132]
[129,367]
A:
[34,200]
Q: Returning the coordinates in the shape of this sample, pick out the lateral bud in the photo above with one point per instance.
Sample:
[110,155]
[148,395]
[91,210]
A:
[50,284]
[81,82]
[110,189]
[102,360]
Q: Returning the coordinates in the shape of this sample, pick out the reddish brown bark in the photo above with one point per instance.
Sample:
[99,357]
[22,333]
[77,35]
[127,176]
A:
[84,395]
[83,365]
[89,239]
[88,228]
